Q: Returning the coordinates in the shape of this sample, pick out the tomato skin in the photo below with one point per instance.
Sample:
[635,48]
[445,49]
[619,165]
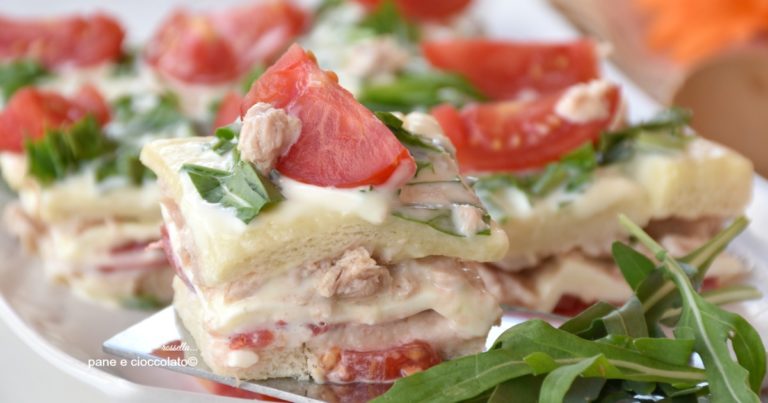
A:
[78,41]
[189,49]
[518,135]
[341,143]
[229,110]
[31,111]
[260,31]
[506,70]
[218,47]
[423,10]
[89,99]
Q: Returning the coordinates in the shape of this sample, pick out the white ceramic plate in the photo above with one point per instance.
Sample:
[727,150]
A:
[68,332]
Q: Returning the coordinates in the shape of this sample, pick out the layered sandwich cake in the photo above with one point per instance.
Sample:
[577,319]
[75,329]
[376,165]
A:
[556,170]
[315,239]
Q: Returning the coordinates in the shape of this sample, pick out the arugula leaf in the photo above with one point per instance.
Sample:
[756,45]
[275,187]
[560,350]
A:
[712,328]
[467,377]
[606,353]
[244,189]
[524,388]
[61,152]
[634,266]
[18,74]
[720,296]
[627,321]
[408,139]
[559,381]
[411,91]
[572,172]
[440,219]
[386,19]
[664,132]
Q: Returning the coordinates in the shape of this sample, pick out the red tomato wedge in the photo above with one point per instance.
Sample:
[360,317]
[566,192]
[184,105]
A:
[229,110]
[261,31]
[519,135]
[507,70]
[216,47]
[342,143]
[31,111]
[189,49]
[78,41]
[423,10]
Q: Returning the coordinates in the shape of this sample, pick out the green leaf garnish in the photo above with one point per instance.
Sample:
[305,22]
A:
[253,75]
[18,74]
[164,113]
[609,354]
[226,138]
[144,302]
[411,91]
[572,172]
[130,125]
[408,139]
[666,131]
[126,64]
[61,152]
[244,189]
[386,19]
[712,328]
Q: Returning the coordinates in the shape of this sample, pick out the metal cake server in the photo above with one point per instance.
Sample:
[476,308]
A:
[162,341]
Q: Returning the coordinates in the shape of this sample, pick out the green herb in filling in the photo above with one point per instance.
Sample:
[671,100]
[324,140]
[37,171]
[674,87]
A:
[666,131]
[386,19]
[405,137]
[411,91]
[226,136]
[126,64]
[111,152]
[18,74]
[62,152]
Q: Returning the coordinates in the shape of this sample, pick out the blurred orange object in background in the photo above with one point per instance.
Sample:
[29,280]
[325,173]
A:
[691,30]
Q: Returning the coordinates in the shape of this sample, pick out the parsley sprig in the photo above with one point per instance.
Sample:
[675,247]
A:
[615,354]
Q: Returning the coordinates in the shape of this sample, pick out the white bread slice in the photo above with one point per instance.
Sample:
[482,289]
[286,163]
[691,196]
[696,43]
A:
[306,361]
[296,233]
[704,180]
[79,197]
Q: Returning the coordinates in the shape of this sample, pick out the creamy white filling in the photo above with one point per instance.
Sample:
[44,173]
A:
[370,205]
[443,285]
[241,358]
[584,103]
